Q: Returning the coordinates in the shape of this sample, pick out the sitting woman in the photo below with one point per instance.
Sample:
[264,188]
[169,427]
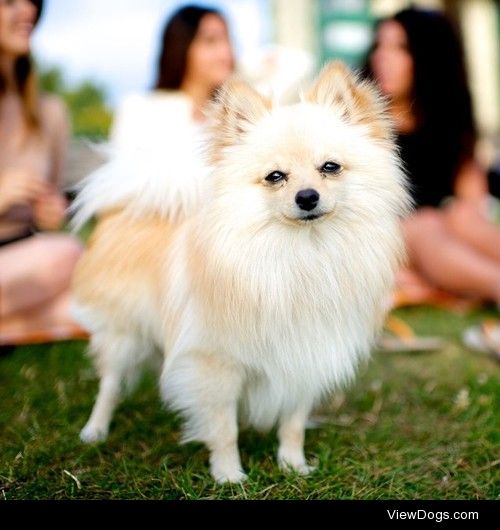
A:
[159,134]
[417,61]
[195,59]
[454,247]
[36,263]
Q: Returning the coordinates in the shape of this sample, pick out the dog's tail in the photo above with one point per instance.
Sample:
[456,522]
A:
[168,182]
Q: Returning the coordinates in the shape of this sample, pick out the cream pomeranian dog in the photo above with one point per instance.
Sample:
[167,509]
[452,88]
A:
[261,293]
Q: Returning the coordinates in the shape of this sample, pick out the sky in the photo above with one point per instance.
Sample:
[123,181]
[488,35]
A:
[115,42]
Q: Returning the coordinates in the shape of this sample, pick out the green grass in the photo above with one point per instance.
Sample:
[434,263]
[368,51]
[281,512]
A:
[413,426]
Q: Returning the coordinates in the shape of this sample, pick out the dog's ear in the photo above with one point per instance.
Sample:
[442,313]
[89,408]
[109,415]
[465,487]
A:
[237,107]
[356,101]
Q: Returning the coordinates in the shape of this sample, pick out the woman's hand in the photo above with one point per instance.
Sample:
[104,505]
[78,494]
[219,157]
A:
[18,186]
[49,210]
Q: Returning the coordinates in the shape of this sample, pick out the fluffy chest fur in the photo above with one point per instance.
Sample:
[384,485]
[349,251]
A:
[299,306]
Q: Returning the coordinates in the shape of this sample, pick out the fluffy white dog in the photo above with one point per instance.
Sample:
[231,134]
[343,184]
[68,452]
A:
[265,293]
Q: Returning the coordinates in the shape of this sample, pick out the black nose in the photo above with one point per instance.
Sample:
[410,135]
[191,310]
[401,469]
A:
[307,199]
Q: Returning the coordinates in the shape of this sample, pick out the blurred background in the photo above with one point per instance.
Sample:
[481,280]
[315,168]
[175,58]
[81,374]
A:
[422,422]
[94,53]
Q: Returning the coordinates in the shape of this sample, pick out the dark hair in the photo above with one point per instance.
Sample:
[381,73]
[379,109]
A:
[25,79]
[441,98]
[39,6]
[178,35]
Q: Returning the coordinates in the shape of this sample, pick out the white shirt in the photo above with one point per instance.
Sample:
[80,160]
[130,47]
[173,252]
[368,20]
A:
[160,120]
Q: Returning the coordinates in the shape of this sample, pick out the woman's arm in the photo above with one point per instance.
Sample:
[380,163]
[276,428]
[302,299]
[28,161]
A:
[49,210]
[471,184]
[58,130]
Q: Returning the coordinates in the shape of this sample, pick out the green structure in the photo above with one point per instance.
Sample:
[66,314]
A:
[345,30]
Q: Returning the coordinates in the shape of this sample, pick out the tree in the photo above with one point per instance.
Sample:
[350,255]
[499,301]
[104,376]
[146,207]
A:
[86,102]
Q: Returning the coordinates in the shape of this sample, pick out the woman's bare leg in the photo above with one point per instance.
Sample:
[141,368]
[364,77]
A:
[448,262]
[35,276]
[467,223]
[413,283]
[49,315]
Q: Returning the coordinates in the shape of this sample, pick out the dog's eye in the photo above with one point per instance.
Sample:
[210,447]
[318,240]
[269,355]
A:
[276,176]
[332,168]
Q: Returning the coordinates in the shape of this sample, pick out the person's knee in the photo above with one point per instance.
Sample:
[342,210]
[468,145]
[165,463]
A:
[461,214]
[61,253]
[424,222]
[429,217]
[71,250]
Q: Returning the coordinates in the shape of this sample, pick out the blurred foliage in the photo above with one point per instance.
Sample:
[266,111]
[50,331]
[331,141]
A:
[86,103]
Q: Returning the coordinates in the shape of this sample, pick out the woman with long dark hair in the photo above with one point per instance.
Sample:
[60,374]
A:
[157,136]
[35,262]
[196,55]
[195,58]
[417,61]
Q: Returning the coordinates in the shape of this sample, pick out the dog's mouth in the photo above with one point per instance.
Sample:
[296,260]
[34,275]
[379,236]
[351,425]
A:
[308,219]
[311,217]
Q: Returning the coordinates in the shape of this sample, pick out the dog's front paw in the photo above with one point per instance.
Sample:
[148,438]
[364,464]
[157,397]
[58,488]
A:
[235,476]
[302,469]
[225,465]
[92,434]
[294,462]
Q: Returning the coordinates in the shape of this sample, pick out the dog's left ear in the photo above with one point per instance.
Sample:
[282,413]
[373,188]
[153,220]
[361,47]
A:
[356,101]
[237,107]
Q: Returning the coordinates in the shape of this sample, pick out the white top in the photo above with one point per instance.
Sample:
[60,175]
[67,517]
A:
[155,121]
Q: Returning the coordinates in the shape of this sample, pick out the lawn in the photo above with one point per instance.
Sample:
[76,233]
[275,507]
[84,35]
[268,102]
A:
[413,426]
